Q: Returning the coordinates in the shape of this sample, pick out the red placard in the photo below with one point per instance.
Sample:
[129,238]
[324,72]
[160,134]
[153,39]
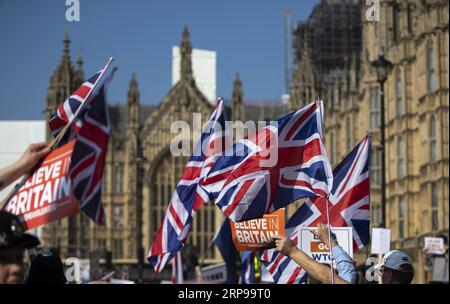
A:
[46,195]
[256,234]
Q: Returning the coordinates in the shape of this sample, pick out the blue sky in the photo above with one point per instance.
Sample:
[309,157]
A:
[247,35]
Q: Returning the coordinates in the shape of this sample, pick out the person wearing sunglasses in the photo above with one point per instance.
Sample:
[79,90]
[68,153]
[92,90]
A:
[396,268]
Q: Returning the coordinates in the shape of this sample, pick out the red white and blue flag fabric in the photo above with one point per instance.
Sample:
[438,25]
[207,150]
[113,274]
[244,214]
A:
[188,196]
[88,158]
[67,111]
[349,202]
[281,163]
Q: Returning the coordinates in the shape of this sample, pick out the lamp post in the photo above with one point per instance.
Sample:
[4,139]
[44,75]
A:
[382,67]
[139,250]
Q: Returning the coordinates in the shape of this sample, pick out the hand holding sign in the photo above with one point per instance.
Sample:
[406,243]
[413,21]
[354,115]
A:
[285,245]
[322,234]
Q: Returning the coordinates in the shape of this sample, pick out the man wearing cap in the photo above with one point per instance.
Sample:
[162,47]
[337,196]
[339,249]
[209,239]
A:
[396,268]
[13,242]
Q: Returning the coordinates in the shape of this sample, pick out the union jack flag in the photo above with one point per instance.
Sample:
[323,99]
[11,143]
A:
[88,158]
[67,111]
[349,199]
[276,166]
[188,196]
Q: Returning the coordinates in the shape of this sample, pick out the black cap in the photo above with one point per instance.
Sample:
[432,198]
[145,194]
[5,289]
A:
[46,268]
[12,233]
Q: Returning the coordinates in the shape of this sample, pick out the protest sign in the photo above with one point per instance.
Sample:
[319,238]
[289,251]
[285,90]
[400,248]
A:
[318,251]
[434,245]
[256,234]
[381,240]
[46,194]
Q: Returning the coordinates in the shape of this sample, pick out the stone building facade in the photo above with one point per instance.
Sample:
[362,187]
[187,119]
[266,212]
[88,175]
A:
[140,138]
[414,36]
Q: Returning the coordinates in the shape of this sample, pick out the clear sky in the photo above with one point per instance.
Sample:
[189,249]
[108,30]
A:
[248,36]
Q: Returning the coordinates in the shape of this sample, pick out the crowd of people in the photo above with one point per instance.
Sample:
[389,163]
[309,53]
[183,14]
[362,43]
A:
[46,266]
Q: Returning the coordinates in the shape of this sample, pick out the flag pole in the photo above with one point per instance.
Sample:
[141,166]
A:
[205,254]
[63,132]
[329,240]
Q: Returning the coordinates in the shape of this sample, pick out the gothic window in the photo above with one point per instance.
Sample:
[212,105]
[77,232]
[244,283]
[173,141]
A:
[374,109]
[434,208]
[332,147]
[401,218]
[432,138]
[400,157]
[118,216]
[163,183]
[399,94]
[118,248]
[118,180]
[395,23]
[348,135]
[431,68]
[375,166]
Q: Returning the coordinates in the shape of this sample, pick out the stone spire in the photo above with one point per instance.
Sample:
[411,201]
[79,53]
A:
[186,73]
[79,74]
[238,110]
[61,82]
[133,103]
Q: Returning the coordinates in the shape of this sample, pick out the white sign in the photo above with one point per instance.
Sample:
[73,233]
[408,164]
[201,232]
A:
[320,252]
[215,273]
[434,245]
[381,240]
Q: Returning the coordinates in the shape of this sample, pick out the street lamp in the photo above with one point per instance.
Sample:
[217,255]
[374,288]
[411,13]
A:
[382,67]
[140,159]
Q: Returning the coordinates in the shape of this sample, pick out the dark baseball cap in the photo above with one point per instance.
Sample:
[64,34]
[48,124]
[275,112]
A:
[12,233]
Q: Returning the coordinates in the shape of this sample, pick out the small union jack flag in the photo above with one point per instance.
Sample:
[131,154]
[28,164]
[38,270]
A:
[188,196]
[349,202]
[72,106]
[276,166]
[88,158]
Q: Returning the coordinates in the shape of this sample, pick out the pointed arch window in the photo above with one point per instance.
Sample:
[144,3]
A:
[432,138]
[434,208]
[118,181]
[431,68]
[400,157]
[348,135]
[332,147]
[401,218]
[399,93]
[374,109]
[163,184]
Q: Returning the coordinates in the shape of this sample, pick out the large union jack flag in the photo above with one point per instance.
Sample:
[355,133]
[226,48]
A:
[349,202]
[67,111]
[88,158]
[278,165]
[188,196]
